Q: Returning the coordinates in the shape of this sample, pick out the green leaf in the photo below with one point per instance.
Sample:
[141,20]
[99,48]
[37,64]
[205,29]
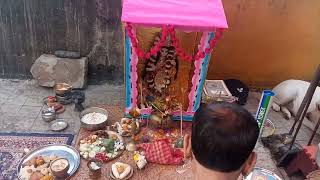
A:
[108,144]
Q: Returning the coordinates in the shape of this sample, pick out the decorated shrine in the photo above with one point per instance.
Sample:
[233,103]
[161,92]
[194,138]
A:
[162,78]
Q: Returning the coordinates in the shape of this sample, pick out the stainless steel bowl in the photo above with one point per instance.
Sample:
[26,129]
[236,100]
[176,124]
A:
[94,127]
[58,125]
[48,114]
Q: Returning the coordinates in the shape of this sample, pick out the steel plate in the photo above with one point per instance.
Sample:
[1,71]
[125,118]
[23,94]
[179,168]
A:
[266,174]
[62,151]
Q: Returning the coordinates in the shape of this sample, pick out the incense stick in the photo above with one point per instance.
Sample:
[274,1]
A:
[141,97]
[149,115]
[181,111]
[181,120]
[158,109]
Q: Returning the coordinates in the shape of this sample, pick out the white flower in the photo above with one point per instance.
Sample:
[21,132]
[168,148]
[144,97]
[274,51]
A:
[119,128]
[103,149]
[96,149]
[118,145]
[84,147]
[109,155]
[92,154]
[142,162]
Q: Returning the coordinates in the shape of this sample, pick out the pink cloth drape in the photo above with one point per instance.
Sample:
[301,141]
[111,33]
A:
[187,14]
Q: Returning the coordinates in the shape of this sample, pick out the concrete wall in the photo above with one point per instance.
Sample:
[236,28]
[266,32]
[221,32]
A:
[29,28]
[268,41]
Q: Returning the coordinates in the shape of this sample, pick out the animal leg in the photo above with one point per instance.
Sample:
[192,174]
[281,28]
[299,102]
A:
[286,112]
[275,107]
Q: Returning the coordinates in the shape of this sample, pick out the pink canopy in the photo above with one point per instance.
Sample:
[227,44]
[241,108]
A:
[187,14]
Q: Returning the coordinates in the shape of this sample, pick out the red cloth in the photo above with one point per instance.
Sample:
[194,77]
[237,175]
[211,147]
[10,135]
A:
[162,152]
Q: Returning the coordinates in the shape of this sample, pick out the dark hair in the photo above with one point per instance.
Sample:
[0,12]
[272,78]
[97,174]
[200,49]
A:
[223,136]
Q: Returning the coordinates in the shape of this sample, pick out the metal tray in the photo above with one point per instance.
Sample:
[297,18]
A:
[264,173]
[109,133]
[63,151]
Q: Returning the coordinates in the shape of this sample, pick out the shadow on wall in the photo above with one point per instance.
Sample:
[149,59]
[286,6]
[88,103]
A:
[92,28]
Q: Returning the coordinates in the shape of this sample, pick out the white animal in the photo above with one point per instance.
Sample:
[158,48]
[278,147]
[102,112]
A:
[289,95]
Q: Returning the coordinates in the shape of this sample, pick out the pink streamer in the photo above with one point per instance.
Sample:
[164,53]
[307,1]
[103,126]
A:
[196,77]
[134,75]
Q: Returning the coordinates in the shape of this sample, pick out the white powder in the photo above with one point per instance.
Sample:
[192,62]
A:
[94,118]
[94,166]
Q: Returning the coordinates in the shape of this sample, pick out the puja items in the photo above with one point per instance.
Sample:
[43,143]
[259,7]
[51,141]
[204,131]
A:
[101,145]
[94,118]
[140,159]
[121,170]
[37,168]
[162,110]
[127,127]
[161,152]
[216,91]
[94,169]
[58,125]
[48,114]
[135,112]
[62,88]
[60,167]
[131,146]
[262,174]
[49,100]
[150,135]
[36,164]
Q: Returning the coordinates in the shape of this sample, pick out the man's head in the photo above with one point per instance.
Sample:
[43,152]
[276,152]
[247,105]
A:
[223,138]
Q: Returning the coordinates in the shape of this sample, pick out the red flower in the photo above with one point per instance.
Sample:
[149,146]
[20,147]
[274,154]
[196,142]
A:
[101,157]
[148,55]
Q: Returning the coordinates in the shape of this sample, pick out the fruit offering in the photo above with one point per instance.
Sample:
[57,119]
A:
[121,170]
[127,127]
[102,146]
[37,168]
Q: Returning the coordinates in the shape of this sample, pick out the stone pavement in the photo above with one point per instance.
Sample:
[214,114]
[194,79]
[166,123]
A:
[21,104]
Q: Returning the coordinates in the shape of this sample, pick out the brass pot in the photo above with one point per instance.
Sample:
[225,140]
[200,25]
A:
[62,88]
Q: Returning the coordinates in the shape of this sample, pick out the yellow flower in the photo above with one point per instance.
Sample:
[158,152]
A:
[136,157]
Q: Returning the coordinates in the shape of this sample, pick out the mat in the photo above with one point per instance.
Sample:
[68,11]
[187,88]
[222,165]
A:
[12,147]
[151,171]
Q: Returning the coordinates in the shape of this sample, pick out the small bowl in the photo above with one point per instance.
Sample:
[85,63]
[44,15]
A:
[58,125]
[61,172]
[48,114]
[95,173]
[98,163]
[94,127]
[62,88]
